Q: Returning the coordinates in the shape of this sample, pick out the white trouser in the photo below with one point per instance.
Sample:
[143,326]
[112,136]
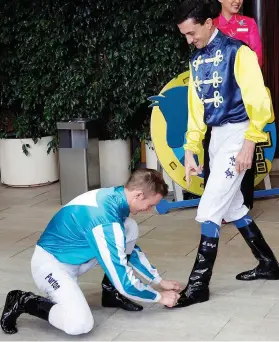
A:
[222,197]
[58,281]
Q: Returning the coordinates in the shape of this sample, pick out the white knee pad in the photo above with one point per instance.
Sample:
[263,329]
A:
[132,233]
[79,324]
[131,229]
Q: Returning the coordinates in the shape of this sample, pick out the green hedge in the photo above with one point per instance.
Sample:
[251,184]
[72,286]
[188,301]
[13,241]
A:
[98,59]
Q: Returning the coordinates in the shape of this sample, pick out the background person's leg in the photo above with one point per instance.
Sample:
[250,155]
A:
[206,168]
[247,185]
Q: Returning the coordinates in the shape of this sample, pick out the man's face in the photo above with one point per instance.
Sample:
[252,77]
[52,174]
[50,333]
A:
[196,34]
[142,202]
[231,6]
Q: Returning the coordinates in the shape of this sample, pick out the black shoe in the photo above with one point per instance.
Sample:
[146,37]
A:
[111,298]
[268,267]
[18,302]
[197,289]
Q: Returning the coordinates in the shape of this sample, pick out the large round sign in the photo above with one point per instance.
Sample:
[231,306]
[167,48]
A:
[168,132]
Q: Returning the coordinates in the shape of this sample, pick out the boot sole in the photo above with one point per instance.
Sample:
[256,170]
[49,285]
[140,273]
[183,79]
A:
[110,303]
[180,305]
[121,307]
[257,278]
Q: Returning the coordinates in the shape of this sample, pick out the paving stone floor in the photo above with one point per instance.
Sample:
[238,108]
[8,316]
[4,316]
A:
[237,310]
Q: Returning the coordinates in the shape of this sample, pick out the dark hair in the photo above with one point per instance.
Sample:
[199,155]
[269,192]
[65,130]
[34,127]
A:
[199,10]
[149,181]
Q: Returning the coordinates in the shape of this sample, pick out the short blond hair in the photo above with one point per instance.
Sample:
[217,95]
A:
[147,180]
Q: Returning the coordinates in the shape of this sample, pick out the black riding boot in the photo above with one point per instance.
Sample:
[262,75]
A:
[268,267]
[111,298]
[18,302]
[197,289]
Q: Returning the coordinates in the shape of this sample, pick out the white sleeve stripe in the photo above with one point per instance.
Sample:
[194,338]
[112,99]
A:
[142,274]
[99,236]
[100,239]
[146,264]
[119,239]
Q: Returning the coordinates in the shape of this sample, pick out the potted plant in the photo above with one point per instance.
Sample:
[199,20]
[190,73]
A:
[49,65]
[114,152]
[28,154]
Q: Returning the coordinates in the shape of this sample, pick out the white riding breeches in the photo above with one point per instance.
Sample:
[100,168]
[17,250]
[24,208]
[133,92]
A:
[222,197]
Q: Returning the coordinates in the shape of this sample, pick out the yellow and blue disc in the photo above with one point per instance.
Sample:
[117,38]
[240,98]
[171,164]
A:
[168,133]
